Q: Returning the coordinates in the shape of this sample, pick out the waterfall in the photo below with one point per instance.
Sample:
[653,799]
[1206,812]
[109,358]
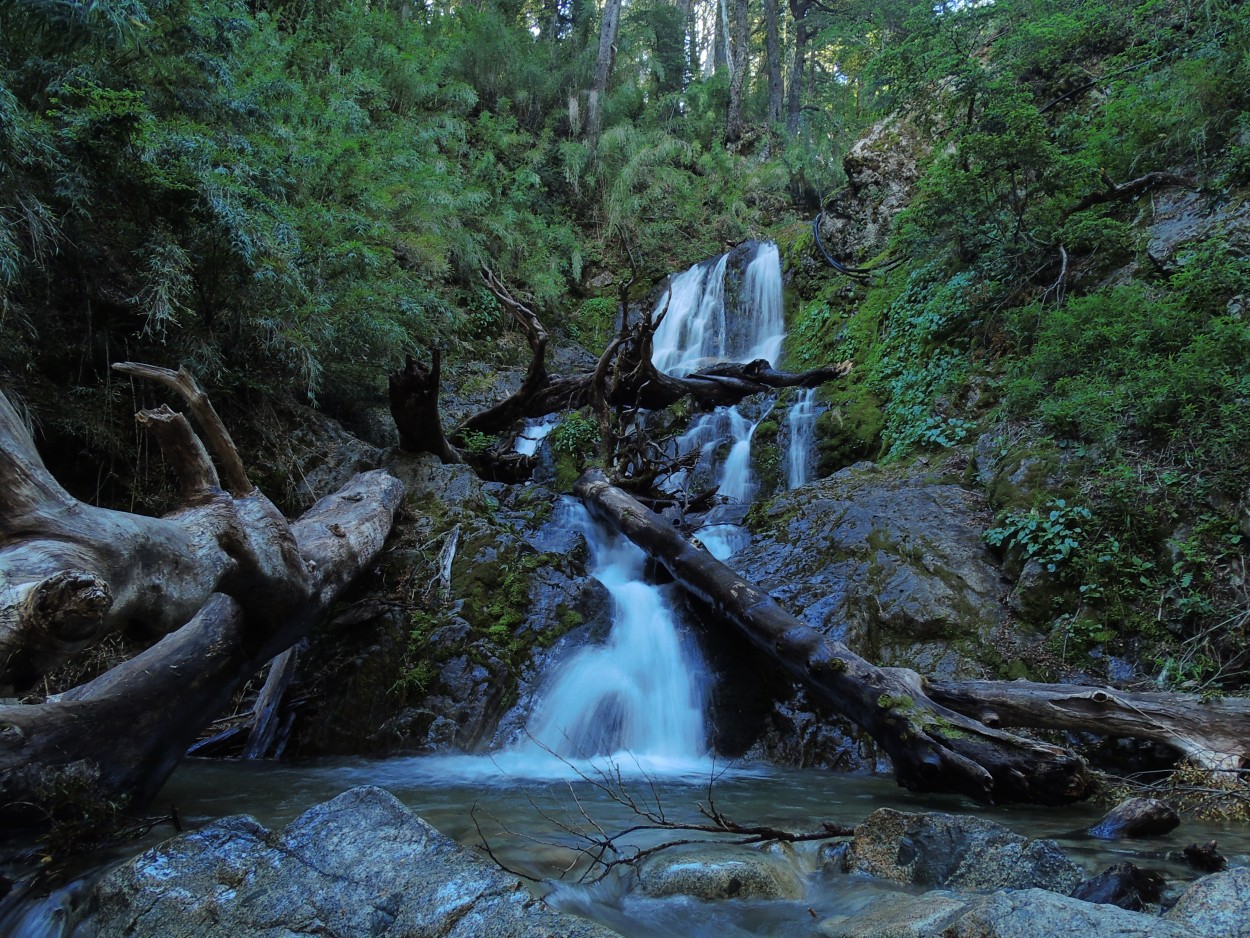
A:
[640,692]
[801,422]
[764,309]
[528,441]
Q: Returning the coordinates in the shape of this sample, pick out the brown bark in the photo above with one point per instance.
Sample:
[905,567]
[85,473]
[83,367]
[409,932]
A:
[1214,734]
[932,748]
[246,584]
[413,392]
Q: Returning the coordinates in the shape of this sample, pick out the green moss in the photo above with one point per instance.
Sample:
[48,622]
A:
[850,430]
[896,702]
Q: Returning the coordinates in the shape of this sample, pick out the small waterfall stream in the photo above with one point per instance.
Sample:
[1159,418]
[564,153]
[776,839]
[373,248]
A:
[801,422]
[641,692]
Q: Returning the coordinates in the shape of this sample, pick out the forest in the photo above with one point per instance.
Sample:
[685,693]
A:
[955,491]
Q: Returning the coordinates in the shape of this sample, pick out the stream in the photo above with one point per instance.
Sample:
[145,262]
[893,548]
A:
[626,719]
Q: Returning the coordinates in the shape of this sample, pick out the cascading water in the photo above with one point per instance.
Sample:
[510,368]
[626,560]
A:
[642,691]
[801,422]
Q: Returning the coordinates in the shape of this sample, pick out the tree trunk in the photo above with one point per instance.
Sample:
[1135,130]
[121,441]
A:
[772,47]
[932,748]
[1214,734]
[249,583]
[794,95]
[603,65]
[740,31]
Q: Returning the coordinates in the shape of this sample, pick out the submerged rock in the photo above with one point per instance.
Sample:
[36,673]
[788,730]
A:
[957,852]
[714,872]
[1122,885]
[361,864]
[897,915]
[1137,817]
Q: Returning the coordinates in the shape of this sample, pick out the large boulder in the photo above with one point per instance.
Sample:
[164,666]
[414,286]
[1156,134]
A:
[957,852]
[1036,913]
[882,168]
[1217,906]
[361,864]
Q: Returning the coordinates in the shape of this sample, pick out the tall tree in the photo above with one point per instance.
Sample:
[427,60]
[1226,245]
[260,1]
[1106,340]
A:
[794,97]
[608,28]
[772,47]
[740,36]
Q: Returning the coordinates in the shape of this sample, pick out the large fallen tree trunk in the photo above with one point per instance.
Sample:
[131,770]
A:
[932,748]
[246,584]
[1211,733]
[624,377]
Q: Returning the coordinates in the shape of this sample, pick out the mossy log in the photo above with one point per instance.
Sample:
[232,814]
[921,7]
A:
[226,576]
[1213,733]
[932,747]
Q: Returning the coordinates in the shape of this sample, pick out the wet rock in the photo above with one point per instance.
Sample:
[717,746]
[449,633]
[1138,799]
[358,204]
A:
[891,562]
[1216,905]
[715,872]
[361,864]
[1137,817]
[888,560]
[834,858]
[896,915]
[1036,913]
[1122,885]
[958,852]
[1205,857]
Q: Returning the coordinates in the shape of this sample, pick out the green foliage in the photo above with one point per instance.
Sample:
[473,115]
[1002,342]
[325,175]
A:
[1052,534]
[574,441]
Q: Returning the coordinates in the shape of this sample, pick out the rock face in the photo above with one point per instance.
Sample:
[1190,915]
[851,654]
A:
[892,563]
[881,173]
[361,864]
[438,670]
[957,852]
[888,561]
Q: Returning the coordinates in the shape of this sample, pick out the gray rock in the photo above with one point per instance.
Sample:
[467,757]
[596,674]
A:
[896,915]
[1216,905]
[1036,913]
[361,864]
[1136,817]
[960,852]
[715,872]
[888,561]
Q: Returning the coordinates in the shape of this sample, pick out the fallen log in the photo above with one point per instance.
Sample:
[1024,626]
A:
[246,583]
[623,377]
[1212,733]
[932,748]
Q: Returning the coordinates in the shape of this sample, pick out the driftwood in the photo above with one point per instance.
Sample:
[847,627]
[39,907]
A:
[932,748]
[1212,733]
[227,577]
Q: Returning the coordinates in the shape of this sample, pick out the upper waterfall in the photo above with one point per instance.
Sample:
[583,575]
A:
[722,310]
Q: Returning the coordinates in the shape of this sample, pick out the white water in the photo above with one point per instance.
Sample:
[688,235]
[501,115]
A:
[642,691]
[801,422]
[535,432]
